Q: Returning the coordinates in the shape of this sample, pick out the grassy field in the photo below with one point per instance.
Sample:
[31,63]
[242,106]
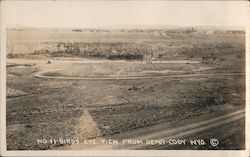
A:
[53,108]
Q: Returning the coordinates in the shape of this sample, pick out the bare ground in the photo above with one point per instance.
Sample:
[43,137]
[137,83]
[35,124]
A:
[57,108]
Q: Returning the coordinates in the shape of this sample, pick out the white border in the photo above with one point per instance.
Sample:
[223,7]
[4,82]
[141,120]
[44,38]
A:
[174,153]
[3,80]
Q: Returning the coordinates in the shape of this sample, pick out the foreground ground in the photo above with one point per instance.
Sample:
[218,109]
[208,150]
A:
[49,101]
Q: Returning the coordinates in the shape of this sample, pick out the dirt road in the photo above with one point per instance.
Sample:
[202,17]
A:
[40,74]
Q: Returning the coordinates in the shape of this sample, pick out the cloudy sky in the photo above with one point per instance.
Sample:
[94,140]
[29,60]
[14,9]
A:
[125,13]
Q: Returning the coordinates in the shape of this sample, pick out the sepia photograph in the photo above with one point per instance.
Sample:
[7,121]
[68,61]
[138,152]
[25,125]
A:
[125,75]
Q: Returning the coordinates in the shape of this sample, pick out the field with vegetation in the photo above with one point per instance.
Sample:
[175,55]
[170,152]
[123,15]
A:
[83,83]
[132,44]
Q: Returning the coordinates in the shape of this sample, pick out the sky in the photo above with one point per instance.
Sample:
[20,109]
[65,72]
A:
[125,13]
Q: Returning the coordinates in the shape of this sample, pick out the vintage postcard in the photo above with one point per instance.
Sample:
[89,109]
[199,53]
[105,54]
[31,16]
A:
[124,78]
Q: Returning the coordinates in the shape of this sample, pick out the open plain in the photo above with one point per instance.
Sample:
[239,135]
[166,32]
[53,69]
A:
[192,87]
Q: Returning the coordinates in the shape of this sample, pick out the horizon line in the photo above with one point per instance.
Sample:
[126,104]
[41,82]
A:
[241,27]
